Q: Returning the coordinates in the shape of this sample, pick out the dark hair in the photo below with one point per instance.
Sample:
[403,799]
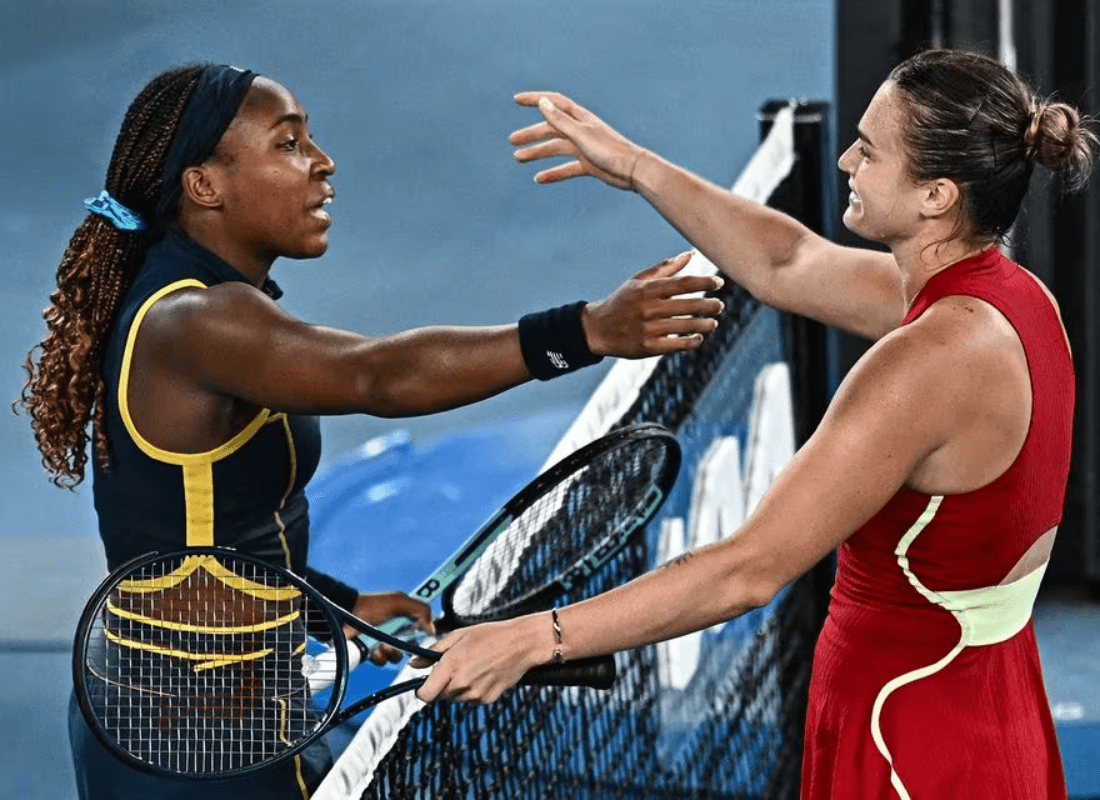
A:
[974,121]
[65,389]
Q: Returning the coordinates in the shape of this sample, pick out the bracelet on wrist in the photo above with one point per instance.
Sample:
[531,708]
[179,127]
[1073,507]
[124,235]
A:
[553,342]
[557,658]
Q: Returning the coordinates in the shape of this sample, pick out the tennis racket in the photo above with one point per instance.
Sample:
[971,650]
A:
[190,663]
[544,543]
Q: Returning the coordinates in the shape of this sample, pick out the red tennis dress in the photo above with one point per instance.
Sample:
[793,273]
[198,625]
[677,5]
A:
[926,681]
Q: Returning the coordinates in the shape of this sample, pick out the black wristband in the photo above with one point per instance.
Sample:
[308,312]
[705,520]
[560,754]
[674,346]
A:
[553,342]
[364,651]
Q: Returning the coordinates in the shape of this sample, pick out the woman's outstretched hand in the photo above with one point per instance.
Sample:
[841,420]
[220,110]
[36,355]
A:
[569,129]
[649,315]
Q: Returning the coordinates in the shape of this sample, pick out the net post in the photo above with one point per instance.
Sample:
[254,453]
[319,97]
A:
[807,195]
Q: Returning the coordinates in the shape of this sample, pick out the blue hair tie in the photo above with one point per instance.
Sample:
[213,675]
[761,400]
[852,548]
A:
[120,216]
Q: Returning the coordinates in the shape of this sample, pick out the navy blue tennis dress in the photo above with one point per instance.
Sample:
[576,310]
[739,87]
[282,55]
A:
[248,493]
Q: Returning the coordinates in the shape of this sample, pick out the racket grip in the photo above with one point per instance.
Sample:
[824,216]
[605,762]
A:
[595,672]
[321,668]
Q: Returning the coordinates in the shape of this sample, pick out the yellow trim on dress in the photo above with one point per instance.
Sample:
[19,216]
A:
[198,502]
[215,568]
[151,450]
[301,779]
[292,452]
[198,480]
[986,615]
[206,660]
[187,627]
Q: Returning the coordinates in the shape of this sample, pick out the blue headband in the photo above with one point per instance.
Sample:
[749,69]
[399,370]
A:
[212,106]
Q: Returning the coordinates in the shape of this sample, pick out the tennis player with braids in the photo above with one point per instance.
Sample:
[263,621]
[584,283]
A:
[165,334]
[939,469]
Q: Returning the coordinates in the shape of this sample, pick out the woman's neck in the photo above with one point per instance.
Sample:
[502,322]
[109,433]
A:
[228,250]
[919,260]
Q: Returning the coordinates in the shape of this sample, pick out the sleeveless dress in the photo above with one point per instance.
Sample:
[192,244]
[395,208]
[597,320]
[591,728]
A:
[926,682]
[248,494]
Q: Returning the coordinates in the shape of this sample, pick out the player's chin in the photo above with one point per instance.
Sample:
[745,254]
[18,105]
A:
[851,219]
[855,221]
[313,247]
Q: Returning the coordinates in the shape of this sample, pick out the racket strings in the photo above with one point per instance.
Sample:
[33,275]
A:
[563,531]
[195,666]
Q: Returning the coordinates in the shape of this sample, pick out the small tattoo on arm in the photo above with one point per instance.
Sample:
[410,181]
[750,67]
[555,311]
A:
[680,559]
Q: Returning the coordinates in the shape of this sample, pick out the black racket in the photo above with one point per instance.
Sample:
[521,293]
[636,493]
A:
[190,663]
[543,544]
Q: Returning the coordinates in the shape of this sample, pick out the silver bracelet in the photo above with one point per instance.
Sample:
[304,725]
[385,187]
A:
[558,657]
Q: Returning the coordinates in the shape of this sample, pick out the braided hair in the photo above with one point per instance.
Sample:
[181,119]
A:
[65,388]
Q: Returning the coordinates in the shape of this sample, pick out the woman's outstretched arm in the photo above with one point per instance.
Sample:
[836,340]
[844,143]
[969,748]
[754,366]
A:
[778,259]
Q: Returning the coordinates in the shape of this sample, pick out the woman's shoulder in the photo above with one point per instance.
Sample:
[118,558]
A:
[958,348]
[189,311]
[964,327]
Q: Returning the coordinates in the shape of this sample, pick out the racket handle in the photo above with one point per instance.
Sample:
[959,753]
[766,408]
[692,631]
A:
[596,672]
[321,668]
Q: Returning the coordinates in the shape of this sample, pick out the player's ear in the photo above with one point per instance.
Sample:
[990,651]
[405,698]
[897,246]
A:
[200,186]
[939,197]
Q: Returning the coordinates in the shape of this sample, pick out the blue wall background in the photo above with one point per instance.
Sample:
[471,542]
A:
[434,222]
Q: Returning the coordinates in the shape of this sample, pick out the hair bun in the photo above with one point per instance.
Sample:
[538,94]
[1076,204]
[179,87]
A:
[1031,132]
[1060,139]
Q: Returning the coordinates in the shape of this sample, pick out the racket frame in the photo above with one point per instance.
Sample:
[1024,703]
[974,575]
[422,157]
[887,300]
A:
[440,580]
[334,616]
[594,559]
[596,672]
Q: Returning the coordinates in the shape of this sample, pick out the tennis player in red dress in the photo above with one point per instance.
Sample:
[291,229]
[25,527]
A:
[926,676]
[939,469]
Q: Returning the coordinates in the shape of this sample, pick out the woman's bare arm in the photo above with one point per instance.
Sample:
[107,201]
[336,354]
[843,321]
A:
[913,392]
[233,341]
[778,259]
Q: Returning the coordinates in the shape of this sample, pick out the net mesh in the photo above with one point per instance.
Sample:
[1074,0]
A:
[733,727]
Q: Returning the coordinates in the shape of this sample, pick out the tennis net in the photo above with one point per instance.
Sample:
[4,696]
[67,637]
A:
[717,714]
